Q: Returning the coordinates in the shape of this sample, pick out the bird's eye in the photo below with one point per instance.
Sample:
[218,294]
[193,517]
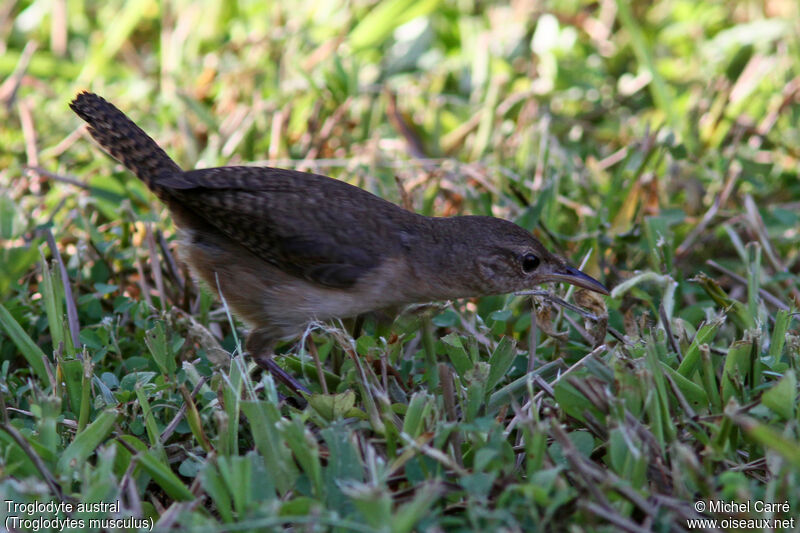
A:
[529,262]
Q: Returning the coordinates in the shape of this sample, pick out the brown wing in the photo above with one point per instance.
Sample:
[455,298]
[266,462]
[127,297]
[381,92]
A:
[312,226]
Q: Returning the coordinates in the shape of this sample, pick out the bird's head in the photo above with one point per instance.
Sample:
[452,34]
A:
[510,259]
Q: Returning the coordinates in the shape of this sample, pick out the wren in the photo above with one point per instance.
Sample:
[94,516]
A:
[286,248]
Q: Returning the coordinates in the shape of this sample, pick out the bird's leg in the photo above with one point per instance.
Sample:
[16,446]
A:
[266,362]
[358,324]
[260,345]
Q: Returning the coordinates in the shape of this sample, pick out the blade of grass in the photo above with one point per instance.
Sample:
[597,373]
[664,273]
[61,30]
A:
[29,350]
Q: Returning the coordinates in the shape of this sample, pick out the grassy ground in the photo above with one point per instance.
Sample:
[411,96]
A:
[657,144]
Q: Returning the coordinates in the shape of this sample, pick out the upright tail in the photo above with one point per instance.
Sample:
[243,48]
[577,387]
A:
[124,140]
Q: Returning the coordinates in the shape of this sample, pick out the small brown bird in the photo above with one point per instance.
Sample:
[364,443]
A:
[286,247]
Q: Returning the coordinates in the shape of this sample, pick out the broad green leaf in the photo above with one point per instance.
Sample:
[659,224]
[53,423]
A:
[88,440]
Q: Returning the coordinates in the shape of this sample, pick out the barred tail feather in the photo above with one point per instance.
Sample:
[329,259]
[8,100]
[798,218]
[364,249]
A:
[124,140]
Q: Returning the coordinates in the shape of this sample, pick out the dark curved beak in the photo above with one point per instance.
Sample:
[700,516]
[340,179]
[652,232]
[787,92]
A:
[579,279]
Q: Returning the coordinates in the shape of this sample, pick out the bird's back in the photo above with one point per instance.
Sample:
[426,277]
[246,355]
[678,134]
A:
[315,227]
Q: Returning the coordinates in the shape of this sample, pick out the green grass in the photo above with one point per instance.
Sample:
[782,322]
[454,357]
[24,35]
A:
[658,142]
